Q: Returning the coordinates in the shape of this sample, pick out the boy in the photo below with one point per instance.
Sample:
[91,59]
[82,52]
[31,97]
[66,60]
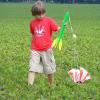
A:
[41,57]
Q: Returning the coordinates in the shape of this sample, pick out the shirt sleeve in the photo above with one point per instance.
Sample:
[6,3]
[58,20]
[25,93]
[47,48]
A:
[31,29]
[53,25]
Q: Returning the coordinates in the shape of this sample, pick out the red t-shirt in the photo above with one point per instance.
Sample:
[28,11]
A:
[41,30]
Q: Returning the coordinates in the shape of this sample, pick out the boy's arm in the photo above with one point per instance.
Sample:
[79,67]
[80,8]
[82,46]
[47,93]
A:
[31,31]
[55,26]
[58,29]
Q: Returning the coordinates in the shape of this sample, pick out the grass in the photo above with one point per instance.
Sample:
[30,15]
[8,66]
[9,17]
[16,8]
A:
[15,47]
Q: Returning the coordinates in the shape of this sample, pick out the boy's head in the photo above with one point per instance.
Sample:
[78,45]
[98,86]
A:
[38,8]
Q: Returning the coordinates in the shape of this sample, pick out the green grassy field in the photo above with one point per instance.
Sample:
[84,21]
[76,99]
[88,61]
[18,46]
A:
[15,47]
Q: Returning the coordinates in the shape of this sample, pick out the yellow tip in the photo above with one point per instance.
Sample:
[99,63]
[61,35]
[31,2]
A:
[54,44]
[60,44]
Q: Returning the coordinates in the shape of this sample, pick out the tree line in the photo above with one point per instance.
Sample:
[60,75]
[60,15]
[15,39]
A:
[56,1]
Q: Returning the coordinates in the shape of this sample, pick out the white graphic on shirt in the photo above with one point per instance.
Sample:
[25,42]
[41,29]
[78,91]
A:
[40,30]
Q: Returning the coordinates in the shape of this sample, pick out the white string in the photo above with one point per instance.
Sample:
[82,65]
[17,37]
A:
[75,52]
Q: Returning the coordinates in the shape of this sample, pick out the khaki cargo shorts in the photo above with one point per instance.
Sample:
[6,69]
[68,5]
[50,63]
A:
[42,61]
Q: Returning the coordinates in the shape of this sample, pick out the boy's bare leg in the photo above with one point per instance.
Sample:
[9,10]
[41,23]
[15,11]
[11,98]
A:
[50,78]
[31,77]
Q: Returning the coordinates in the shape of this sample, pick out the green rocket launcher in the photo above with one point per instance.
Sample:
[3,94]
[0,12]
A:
[58,41]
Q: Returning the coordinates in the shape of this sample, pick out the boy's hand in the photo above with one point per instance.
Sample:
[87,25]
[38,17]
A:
[58,29]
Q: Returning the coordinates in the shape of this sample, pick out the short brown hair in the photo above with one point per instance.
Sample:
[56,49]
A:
[38,8]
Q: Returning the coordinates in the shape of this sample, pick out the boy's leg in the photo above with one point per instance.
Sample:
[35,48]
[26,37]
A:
[50,78]
[31,77]
[34,66]
[49,64]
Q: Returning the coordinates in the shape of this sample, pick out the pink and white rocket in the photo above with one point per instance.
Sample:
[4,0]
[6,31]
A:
[79,75]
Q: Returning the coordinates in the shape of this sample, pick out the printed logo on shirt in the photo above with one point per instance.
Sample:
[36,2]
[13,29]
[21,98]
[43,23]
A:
[39,30]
